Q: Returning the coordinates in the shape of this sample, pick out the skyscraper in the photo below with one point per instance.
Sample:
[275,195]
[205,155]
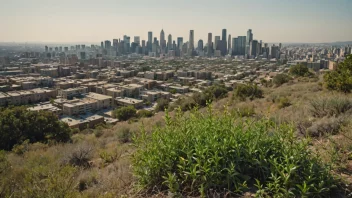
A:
[107,44]
[253,48]
[101,44]
[249,39]
[162,41]
[150,41]
[137,40]
[169,42]
[229,44]
[179,42]
[216,40]
[191,40]
[224,35]
[210,43]
[200,45]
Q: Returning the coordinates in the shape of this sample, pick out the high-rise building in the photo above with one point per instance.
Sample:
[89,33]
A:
[210,43]
[253,48]
[102,44]
[216,40]
[221,45]
[143,47]
[115,43]
[169,42]
[275,52]
[249,39]
[150,41]
[179,42]
[107,44]
[200,45]
[229,44]
[191,41]
[162,41]
[137,40]
[224,35]
[46,48]
[239,45]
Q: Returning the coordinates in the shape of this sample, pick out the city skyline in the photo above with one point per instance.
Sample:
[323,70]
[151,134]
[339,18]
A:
[91,22]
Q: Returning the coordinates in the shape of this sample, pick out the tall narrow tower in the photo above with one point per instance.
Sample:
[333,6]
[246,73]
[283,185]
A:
[191,41]
[210,43]
[162,41]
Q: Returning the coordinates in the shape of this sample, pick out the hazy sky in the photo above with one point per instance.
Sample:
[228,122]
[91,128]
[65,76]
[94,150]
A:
[98,20]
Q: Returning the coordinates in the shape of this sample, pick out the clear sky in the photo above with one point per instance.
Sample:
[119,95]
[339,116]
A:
[98,20]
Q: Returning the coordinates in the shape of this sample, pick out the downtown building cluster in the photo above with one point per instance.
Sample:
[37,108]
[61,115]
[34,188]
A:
[244,47]
[224,45]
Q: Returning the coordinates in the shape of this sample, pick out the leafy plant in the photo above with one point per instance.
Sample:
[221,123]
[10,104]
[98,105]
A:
[193,155]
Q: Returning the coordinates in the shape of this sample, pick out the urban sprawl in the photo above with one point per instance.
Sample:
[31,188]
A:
[83,84]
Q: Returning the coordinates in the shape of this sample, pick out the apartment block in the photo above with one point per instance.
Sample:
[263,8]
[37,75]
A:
[27,97]
[72,92]
[84,106]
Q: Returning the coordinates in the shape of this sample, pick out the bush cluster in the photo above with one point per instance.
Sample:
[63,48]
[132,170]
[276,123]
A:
[192,156]
[125,113]
[250,91]
[300,71]
[18,124]
[280,79]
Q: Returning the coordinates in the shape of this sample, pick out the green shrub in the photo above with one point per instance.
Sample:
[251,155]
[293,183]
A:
[341,78]
[284,102]
[162,104]
[109,157]
[248,91]
[280,79]
[144,113]
[194,155]
[330,106]
[300,70]
[125,113]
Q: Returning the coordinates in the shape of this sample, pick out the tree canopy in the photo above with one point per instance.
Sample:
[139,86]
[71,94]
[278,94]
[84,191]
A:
[125,113]
[18,124]
[341,78]
[300,70]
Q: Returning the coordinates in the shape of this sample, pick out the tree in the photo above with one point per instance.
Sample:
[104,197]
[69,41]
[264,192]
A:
[18,124]
[341,78]
[162,104]
[125,113]
[300,70]
[280,79]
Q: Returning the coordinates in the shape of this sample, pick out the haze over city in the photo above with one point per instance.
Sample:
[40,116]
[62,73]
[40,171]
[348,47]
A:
[91,21]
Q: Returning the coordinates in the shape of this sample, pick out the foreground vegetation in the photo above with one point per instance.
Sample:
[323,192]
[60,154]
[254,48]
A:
[201,153]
